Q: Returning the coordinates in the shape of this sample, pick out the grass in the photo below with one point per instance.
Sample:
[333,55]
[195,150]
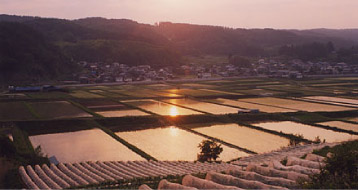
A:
[340,170]
[348,145]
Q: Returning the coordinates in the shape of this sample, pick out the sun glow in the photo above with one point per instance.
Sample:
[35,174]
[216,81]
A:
[173,111]
[174,131]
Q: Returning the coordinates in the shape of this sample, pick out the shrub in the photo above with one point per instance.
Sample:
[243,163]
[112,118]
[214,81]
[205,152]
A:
[210,151]
[341,170]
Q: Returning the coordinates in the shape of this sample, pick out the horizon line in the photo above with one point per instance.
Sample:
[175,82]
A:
[198,24]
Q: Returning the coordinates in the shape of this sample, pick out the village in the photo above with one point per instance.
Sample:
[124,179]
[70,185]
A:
[294,69]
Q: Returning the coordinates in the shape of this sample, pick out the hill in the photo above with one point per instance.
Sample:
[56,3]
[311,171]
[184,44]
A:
[49,46]
[25,55]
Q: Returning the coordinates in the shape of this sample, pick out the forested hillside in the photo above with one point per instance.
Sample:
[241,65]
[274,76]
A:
[45,48]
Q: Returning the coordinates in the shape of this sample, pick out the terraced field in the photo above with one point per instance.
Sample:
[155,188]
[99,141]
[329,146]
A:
[178,144]
[203,106]
[161,108]
[82,146]
[308,132]
[200,110]
[14,111]
[341,125]
[246,105]
[294,104]
[222,175]
[57,110]
[245,137]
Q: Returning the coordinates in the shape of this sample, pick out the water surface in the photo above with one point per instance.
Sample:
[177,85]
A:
[122,113]
[161,108]
[245,105]
[204,106]
[294,104]
[86,145]
[308,132]
[341,125]
[172,143]
[252,139]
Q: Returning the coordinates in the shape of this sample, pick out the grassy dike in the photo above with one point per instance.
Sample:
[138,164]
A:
[125,143]
[84,108]
[32,111]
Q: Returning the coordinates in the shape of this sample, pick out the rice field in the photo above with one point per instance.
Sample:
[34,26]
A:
[84,94]
[325,102]
[341,125]
[14,111]
[106,93]
[294,104]
[57,110]
[260,92]
[80,146]
[122,113]
[161,108]
[192,92]
[333,99]
[144,93]
[197,85]
[96,104]
[48,95]
[354,119]
[245,105]
[245,137]
[172,143]
[308,132]
[203,106]
[219,92]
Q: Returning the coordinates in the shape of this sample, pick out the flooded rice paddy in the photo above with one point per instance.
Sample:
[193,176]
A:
[122,113]
[294,104]
[172,143]
[160,108]
[80,146]
[203,106]
[333,99]
[341,125]
[252,139]
[355,119]
[308,132]
[245,105]
[219,92]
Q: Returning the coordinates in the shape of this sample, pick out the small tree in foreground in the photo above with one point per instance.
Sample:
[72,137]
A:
[210,151]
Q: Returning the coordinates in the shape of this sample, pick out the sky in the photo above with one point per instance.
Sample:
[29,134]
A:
[278,14]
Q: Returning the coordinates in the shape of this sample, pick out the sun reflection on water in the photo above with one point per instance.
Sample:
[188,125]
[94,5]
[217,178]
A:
[173,111]
[174,131]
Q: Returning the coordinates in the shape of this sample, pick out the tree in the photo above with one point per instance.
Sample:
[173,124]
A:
[240,61]
[210,151]
[340,170]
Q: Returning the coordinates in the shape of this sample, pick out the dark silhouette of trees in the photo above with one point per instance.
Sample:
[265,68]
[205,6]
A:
[210,151]
[240,61]
[307,52]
